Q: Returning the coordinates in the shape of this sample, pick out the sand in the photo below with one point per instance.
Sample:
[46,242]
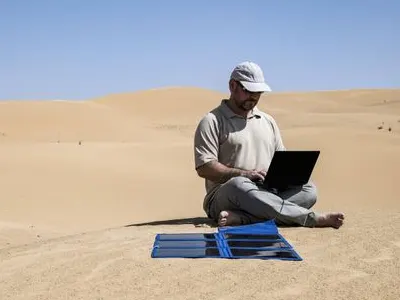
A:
[86,185]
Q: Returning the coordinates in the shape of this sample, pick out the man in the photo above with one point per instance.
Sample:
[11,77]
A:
[233,147]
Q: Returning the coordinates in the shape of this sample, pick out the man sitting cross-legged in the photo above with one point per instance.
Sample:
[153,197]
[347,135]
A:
[233,147]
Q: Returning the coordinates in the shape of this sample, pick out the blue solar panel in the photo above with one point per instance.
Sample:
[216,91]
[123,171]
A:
[256,241]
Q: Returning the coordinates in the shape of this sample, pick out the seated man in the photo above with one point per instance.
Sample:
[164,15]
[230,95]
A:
[233,147]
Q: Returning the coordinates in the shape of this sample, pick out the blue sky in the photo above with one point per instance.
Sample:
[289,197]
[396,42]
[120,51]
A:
[80,49]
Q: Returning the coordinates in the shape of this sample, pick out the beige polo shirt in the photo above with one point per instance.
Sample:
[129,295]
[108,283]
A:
[235,141]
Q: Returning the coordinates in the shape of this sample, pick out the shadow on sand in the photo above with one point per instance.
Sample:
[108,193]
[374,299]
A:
[197,221]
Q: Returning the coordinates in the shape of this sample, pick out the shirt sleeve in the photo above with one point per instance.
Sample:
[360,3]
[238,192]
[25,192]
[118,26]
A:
[279,146]
[206,143]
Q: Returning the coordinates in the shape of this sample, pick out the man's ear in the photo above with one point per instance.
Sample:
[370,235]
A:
[232,85]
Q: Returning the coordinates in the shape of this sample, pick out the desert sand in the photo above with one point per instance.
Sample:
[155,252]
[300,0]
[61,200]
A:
[86,186]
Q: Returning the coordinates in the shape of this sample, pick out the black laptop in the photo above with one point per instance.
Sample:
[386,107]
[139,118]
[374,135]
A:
[290,168]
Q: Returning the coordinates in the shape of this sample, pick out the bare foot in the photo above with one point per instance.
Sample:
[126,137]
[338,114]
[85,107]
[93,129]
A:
[228,218]
[334,220]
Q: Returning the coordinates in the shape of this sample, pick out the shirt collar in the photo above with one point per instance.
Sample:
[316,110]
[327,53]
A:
[230,114]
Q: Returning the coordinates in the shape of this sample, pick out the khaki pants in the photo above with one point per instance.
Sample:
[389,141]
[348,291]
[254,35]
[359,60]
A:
[254,204]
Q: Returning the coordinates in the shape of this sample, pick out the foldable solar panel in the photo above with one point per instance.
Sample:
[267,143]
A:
[256,241]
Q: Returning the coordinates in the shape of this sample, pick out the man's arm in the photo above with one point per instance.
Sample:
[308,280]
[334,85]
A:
[220,173]
[217,172]
[206,151]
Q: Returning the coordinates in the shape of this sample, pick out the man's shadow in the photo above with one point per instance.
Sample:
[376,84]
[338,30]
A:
[196,221]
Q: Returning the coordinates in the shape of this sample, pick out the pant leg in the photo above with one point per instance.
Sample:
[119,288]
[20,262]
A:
[304,196]
[256,205]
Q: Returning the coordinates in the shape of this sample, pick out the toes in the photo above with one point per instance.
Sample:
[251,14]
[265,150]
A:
[338,223]
[229,218]
[334,220]
[224,214]
[223,220]
[340,215]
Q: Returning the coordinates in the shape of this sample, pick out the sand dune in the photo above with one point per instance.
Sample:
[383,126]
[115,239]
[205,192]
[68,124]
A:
[76,174]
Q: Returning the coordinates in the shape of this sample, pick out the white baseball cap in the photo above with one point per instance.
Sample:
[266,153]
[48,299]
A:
[250,75]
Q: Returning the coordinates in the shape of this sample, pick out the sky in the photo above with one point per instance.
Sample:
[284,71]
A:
[81,49]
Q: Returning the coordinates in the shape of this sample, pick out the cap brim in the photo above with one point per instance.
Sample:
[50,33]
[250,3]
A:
[256,86]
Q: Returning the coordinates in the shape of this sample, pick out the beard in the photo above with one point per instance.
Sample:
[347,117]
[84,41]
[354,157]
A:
[248,105]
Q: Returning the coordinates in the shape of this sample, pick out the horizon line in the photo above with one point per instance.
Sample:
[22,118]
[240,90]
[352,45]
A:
[60,99]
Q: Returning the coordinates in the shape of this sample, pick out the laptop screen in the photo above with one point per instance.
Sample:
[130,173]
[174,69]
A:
[291,168]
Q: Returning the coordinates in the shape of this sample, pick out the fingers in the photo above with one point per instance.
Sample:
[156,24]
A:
[263,172]
[257,175]
[260,176]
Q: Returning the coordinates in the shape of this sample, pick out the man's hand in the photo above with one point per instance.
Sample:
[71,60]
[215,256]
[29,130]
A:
[255,175]
[220,173]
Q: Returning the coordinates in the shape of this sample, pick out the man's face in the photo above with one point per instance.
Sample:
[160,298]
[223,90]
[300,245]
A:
[244,99]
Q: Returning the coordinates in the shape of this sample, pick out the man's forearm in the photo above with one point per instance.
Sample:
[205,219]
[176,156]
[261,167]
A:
[218,172]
